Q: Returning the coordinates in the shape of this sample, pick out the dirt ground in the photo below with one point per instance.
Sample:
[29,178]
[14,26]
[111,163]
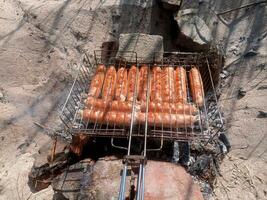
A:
[40,43]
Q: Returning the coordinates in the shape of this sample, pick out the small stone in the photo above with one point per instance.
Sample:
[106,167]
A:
[263,87]
[262,114]
[222,75]
[250,53]
[1,95]
[226,73]
[23,146]
[241,93]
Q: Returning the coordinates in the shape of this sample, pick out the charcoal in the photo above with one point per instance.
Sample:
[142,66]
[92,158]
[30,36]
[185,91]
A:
[175,157]
[201,164]
[262,114]
[223,148]
[185,153]
[223,138]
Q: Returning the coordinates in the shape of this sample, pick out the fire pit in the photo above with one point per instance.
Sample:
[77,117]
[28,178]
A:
[148,106]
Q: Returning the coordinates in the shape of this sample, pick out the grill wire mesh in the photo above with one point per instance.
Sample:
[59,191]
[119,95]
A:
[206,64]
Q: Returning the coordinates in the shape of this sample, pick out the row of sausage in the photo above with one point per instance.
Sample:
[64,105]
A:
[111,95]
[166,85]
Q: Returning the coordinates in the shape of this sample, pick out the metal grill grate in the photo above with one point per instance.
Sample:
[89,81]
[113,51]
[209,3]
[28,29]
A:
[74,103]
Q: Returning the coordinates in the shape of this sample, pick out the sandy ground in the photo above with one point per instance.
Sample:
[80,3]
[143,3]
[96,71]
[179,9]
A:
[41,40]
[244,168]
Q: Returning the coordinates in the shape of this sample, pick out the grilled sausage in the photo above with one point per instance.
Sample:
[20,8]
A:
[124,118]
[119,118]
[109,84]
[133,72]
[196,86]
[91,102]
[155,94]
[121,85]
[110,117]
[124,106]
[115,105]
[167,83]
[180,84]
[92,115]
[173,108]
[97,82]
[167,120]
[143,79]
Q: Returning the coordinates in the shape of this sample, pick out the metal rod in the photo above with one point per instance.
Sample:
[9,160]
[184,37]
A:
[122,191]
[133,114]
[143,182]
[118,147]
[122,185]
[147,101]
[139,182]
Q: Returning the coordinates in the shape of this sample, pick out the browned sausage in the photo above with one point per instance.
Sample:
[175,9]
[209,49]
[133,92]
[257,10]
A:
[167,83]
[143,79]
[155,94]
[110,117]
[109,84]
[124,118]
[121,85]
[133,72]
[92,115]
[173,108]
[180,85]
[124,106]
[97,82]
[167,120]
[118,118]
[196,86]
[91,102]
[115,105]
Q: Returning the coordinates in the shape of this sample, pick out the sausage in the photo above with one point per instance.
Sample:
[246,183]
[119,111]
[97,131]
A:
[173,108]
[155,92]
[121,85]
[124,118]
[124,106]
[180,85]
[133,72]
[167,120]
[119,118]
[143,80]
[109,84]
[91,102]
[92,115]
[167,83]
[110,117]
[115,105]
[97,82]
[196,86]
